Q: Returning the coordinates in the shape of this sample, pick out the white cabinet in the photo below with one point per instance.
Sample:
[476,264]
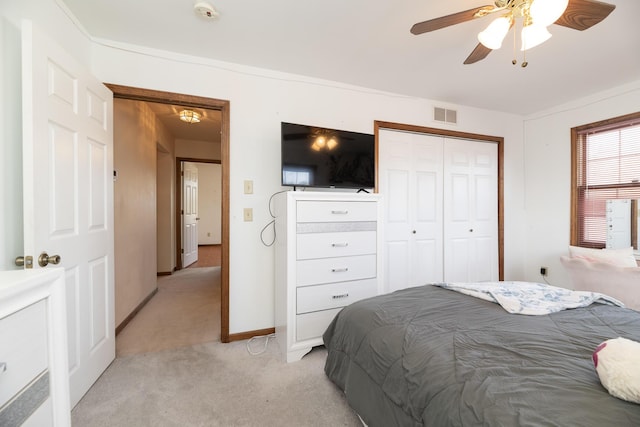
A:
[327,256]
[34,382]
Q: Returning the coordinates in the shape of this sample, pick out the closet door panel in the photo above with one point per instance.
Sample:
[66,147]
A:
[457,266]
[410,166]
[427,261]
[483,267]
[484,191]
[397,267]
[471,210]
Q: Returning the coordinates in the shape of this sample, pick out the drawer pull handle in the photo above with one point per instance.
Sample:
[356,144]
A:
[340,245]
[339,296]
[339,270]
[3,367]
[336,212]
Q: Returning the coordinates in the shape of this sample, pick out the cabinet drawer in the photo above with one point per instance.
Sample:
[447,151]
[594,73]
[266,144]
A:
[313,325]
[23,348]
[330,211]
[326,245]
[333,295]
[329,270]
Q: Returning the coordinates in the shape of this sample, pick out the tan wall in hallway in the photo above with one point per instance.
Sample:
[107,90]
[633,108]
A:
[166,204]
[135,156]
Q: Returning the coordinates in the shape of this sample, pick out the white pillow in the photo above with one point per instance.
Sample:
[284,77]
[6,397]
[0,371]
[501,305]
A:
[617,362]
[618,257]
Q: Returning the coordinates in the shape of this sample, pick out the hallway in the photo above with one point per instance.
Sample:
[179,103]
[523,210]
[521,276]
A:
[184,311]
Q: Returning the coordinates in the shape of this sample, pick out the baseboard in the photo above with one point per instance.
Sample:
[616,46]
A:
[249,334]
[135,311]
[164,273]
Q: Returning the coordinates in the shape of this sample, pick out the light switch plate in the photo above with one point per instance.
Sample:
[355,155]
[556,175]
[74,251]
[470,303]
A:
[248,187]
[248,214]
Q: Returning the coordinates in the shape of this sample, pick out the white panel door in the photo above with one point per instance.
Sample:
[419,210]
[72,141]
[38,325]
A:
[410,167]
[189,213]
[470,211]
[68,195]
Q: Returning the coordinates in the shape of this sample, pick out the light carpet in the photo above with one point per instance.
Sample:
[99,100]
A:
[184,311]
[215,384]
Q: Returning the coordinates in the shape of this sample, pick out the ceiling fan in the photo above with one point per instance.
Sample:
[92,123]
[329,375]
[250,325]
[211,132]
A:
[536,16]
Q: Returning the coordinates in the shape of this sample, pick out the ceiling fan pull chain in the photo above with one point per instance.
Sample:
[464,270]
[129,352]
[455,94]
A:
[514,61]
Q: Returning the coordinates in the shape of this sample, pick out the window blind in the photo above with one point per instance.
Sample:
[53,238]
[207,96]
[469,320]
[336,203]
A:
[607,167]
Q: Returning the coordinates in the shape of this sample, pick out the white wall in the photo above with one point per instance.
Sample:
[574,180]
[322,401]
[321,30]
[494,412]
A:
[209,203]
[260,100]
[548,174]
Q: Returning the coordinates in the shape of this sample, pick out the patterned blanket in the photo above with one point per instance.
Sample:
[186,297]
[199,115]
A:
[530,298]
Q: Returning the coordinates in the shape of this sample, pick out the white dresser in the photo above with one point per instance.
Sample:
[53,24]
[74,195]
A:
[34,382]
[327,256]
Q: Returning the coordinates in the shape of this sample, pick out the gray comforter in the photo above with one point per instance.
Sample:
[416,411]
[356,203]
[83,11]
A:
[433,357]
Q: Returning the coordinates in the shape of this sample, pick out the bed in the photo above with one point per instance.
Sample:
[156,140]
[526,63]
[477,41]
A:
[434,357]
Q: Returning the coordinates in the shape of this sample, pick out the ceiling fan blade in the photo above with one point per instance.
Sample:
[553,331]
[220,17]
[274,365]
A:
[453,19]
[584,14]
[478,54]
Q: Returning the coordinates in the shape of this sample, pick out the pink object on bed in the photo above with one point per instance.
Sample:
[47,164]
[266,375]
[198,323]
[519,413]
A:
[622,283]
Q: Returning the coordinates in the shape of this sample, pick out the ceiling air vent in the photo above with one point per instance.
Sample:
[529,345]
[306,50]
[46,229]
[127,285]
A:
[445,116]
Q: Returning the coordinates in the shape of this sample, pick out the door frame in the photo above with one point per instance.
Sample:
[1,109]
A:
[138,94]
[378,124]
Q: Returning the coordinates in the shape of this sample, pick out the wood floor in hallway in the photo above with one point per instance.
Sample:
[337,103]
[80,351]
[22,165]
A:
[208,256]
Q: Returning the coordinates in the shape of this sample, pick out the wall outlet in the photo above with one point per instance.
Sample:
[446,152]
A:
[248,214]
[543,271]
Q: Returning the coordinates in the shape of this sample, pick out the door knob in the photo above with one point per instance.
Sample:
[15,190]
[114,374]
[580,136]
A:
[44,259]
[24,261]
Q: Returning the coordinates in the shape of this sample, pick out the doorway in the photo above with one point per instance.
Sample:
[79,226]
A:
[131,93]
[206,203]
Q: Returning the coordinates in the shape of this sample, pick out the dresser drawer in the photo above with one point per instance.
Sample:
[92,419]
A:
[329,270]
[330,211]
[23,348]
[333,295]
[313,325]
[326,245]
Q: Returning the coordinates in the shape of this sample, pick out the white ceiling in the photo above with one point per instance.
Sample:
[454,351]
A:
[368,43]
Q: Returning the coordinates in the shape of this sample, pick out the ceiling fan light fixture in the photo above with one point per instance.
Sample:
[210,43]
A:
[495,32]
[189,116]
[533,35]
[546,12]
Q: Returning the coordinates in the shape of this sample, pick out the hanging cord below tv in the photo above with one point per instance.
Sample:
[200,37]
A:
[272,222]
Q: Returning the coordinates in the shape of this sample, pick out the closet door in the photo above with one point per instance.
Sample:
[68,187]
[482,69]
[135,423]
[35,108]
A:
[470,211]
[410,167]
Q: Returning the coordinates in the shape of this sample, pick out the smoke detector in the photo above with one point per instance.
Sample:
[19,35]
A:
[204,9]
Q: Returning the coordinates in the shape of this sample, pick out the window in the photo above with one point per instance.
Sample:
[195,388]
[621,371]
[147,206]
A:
[605,166]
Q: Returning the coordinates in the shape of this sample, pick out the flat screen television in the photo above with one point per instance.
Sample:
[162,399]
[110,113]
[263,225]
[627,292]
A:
[330,158]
